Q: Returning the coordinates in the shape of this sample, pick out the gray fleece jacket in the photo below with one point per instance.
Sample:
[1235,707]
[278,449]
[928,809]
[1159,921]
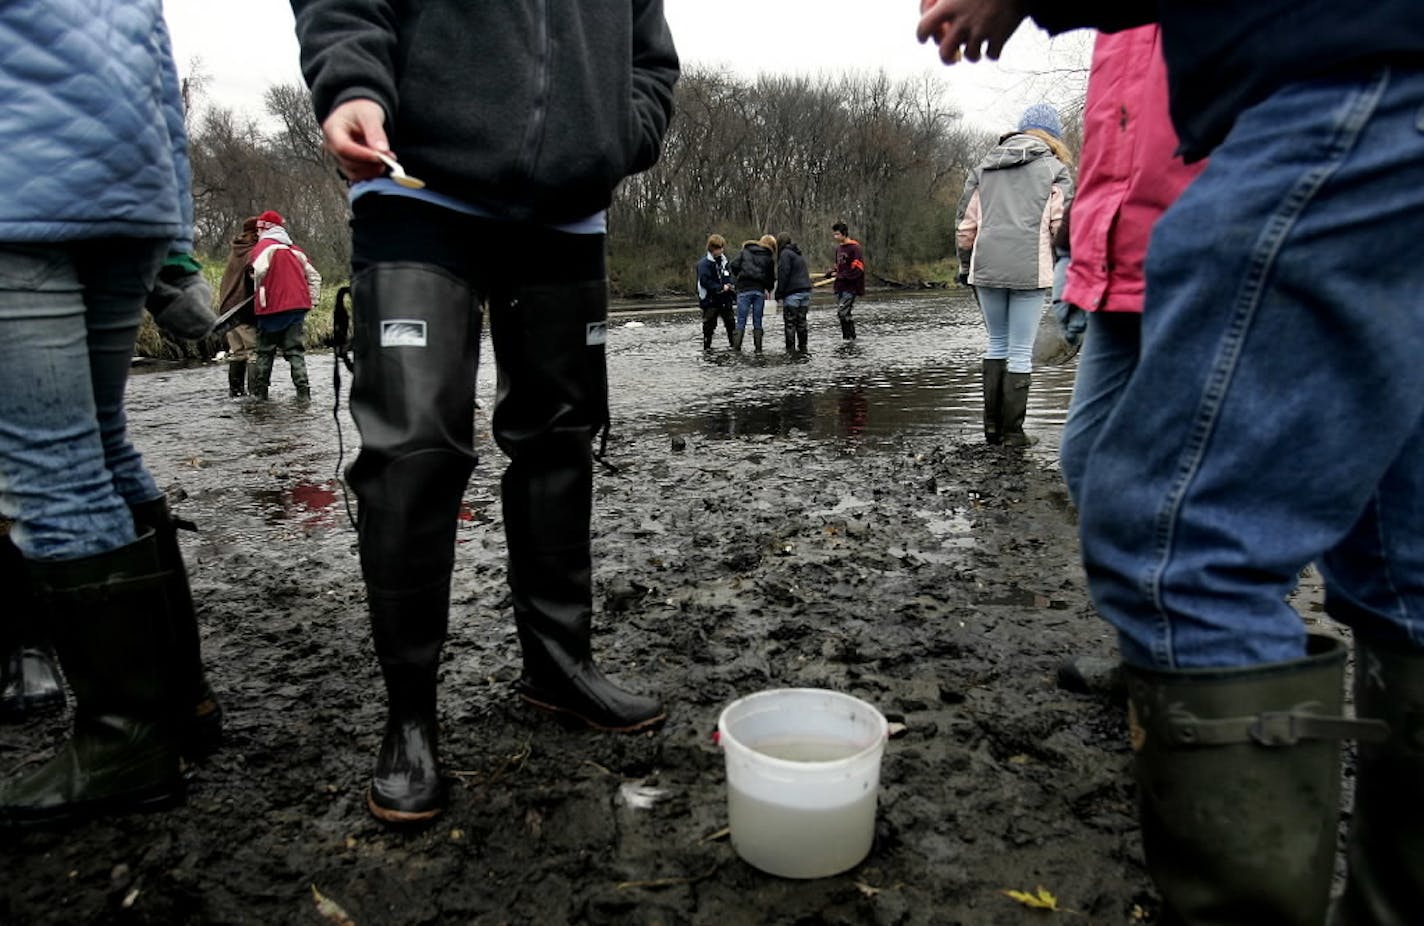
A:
[532,109]
[1013,203]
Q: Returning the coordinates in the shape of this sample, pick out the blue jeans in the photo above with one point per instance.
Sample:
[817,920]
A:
[750,301]
[1275,415]
[1011,316]
[69,313]
[1110,349]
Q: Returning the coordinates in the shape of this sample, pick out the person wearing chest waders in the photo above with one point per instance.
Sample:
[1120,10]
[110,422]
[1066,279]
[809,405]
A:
[500,204]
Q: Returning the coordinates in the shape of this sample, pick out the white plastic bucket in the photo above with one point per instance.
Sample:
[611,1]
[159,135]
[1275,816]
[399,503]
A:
[803,774]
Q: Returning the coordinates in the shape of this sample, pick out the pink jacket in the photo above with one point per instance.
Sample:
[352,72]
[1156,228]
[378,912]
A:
[1129,174]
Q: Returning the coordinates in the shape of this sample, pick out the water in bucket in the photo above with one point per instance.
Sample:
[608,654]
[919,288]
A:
[803,773]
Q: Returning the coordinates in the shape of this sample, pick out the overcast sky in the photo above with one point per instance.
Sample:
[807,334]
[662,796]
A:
[244,47]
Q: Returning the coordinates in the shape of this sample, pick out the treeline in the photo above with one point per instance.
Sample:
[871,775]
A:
[743,157]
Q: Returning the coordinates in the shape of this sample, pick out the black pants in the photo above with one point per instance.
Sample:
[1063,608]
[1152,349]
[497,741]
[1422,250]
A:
[710,315]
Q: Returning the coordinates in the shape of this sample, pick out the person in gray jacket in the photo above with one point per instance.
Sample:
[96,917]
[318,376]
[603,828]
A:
[520,118]
[1012,205]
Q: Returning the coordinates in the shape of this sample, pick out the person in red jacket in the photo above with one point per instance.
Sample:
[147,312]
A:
[849,272]
[287,286]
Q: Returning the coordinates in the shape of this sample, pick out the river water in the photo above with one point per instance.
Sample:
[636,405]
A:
[913,374]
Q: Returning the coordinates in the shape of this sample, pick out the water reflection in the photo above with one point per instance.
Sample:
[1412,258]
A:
[915,373]
[309,504]
[927,403]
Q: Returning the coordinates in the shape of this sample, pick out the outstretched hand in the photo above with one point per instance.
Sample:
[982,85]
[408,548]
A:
[355,131]
[965,27]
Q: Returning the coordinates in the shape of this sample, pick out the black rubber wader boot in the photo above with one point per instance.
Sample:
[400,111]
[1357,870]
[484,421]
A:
[237,378]
[416,352]
[789,324]
[200,715]
[994,371]
[111,624]
[29,670]
[801,334]
[301,379]
[735,341]
[709,327]
[550,346]
[261,379]
[1014,408]
[1238,776]
[756,339]
[1386,846]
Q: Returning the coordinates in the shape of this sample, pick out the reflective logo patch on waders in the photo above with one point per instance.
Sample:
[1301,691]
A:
[595,333]
[403,332]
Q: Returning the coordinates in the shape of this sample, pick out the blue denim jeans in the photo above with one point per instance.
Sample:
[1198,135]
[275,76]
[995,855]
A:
[1011,316]
[1274,418]
[1110,349]
[753,302]
[69,313]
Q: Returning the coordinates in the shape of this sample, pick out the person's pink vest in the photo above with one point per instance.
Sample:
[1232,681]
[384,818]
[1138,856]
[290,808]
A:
[1128,175]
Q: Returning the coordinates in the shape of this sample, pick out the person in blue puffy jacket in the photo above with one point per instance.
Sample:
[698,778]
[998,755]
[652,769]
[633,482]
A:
[96,222]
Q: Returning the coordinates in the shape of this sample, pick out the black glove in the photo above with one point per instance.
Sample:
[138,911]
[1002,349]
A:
[962,278]
[181,300]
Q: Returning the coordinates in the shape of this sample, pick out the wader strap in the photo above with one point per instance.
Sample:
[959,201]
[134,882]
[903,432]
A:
[1271,728]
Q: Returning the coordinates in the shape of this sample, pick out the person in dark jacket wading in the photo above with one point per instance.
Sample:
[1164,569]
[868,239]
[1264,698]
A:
[716,291]
[793,291]
[557,103]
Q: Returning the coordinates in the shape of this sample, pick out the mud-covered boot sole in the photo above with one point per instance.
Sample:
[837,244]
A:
[400,817]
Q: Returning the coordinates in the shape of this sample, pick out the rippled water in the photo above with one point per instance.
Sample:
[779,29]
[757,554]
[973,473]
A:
[912,374]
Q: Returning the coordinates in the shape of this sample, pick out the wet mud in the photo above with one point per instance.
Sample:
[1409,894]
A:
[828,521]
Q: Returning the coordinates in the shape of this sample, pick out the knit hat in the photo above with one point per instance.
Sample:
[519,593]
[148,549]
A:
[269,219]
[1041,116]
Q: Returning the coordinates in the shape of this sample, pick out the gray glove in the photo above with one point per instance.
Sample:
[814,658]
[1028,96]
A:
[181,300]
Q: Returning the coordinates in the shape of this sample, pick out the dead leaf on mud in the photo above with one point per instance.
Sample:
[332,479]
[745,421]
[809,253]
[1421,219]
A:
[896,730]
[331,910]
[667,882]
[1040,900]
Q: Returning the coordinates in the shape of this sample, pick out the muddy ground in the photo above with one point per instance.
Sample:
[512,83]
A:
[830,522]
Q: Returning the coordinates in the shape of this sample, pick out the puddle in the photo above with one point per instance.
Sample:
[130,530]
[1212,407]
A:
[929,402]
